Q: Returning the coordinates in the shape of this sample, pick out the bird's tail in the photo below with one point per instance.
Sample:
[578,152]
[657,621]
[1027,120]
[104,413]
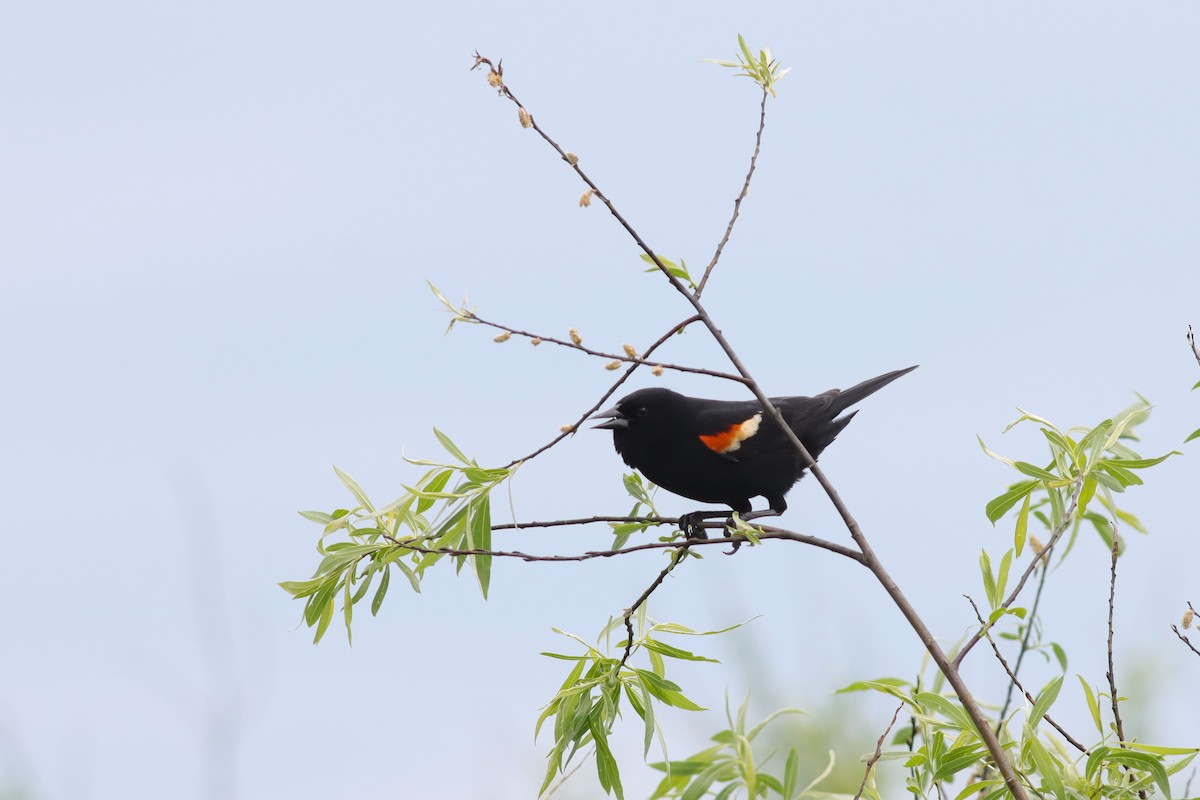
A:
[844,400]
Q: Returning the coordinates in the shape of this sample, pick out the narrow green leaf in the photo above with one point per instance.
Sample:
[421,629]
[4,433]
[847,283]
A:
[1035,472]
[1000,458]
[324,620]
[1047,767]
[1045,699]
[377,600]
[1002,575]
[1192,435]
[452,448]
[955,713]
[1000,505]
[480,537]
[957,759]
[1093,705]
[1141,463]
[319,517]
[436,484]
[791,774]
[354,488]
[1022,526]
[989,581]
[674,652]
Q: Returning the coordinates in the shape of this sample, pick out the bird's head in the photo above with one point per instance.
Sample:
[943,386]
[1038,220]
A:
[641,416]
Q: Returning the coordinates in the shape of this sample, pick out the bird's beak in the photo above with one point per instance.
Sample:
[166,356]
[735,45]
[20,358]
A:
[613,419]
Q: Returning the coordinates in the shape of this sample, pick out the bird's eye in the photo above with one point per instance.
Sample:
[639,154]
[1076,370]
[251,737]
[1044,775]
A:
[643,411]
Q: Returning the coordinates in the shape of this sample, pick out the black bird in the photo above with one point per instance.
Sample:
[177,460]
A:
[727,451]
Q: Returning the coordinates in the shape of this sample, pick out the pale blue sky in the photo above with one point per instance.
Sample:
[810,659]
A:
[216,224]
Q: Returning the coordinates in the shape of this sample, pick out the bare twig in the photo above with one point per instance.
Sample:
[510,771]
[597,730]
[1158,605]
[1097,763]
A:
[737,204]
[1112,674]
[676,557]
[1012,675]
[878,752]
[641,362]
[604,397]
[1192,342]
[1187,620]
[1040,558]
[1037,599]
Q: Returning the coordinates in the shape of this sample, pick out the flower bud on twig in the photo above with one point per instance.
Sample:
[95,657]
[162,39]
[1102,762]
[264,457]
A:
[585,199]
[613,365]
[494,79]
[572,159]
[535,341]
[575,337]
[657,370]
[630,350]
[526,120]
[503,337]
[1188,616]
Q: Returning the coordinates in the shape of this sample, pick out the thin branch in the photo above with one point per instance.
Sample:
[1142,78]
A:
[1037,599]
[1192,342]
[604,397]
[878,752]
[1187,621]
[1012,675]
[949,669]
[676,557]
[1042,557]
[1112,674]
[641,362]
[766,533]
[737,204]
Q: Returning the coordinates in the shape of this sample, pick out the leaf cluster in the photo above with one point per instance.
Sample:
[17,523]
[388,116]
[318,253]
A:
[368,542]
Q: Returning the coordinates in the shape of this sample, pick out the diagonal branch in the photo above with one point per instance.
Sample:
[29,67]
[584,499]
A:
[570,429]
[878,752]
[676,558]
[737,204]
[1012,676]
[1192,342]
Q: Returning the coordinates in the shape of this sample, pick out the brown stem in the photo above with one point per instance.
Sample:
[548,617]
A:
[737,204]
[641,362]
[1192,342]
[676,557]
[1012,675]
[1112,673]
[878,752]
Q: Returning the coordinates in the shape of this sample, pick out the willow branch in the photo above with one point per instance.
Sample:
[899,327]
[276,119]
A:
[737,204]
[470,316]
[878,752]
[1112,673]
[1012,675]
[766,532]
[1192,342]
[1040,558]
[676,557]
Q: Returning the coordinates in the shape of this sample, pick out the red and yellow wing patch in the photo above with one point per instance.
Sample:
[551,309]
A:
[730,439]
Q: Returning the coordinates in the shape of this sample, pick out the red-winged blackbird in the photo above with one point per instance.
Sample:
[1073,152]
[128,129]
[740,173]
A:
[727,451]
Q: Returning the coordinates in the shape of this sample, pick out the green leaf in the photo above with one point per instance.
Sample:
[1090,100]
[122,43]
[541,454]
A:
[674,652]
[1093,705]
[1140,463]
[791,774]
[354,488]
[319,517]
[480,538]
[1192,435]
[377,600]
[1045,699]
[435,484]
[1035,472]
[452,448]
[947,708]
[606,764]
[1002,576]
[957,759]
[1022,526]
[999,506]
[1047,767]
[989,581]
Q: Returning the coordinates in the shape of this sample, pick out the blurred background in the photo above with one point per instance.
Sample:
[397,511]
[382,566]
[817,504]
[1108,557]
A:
[216,224]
